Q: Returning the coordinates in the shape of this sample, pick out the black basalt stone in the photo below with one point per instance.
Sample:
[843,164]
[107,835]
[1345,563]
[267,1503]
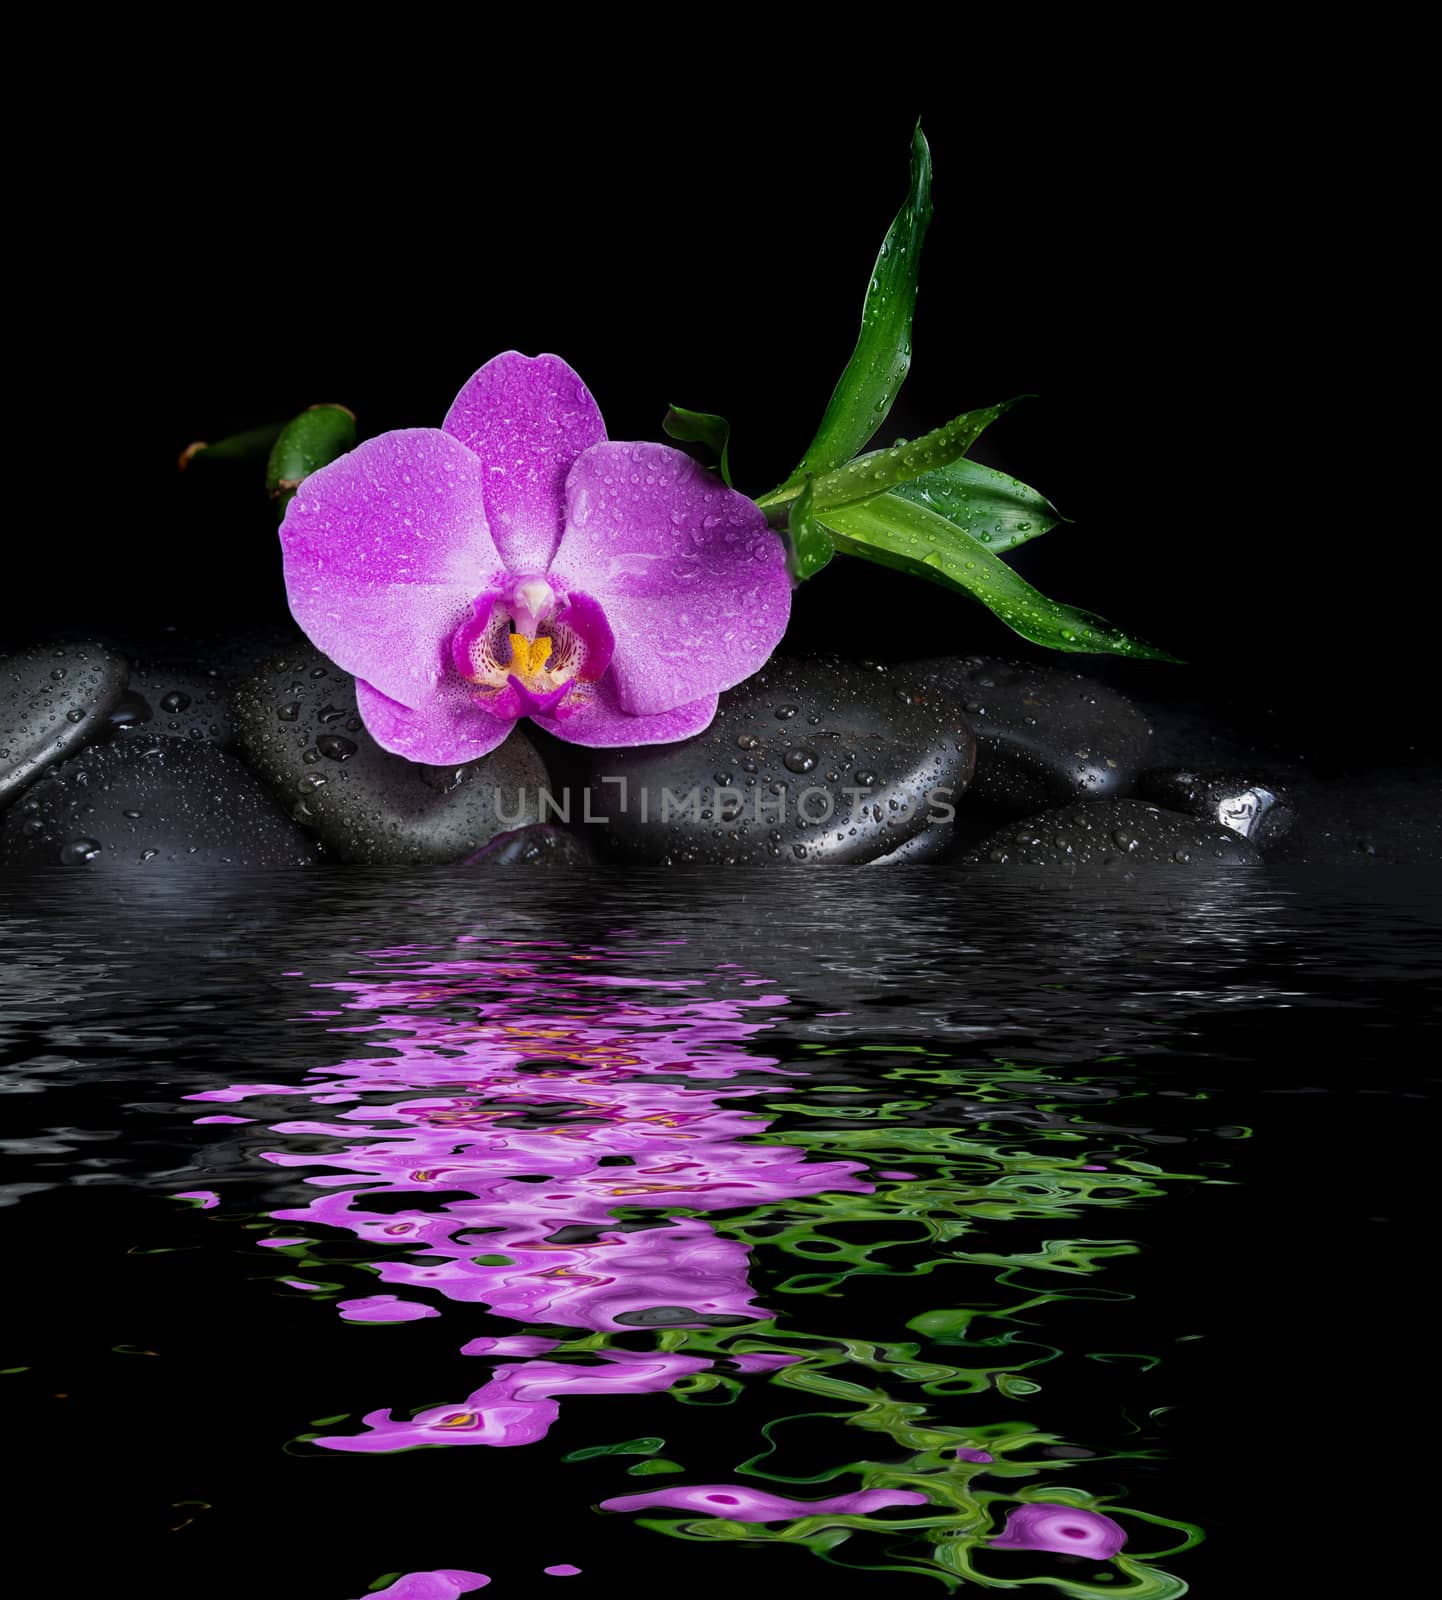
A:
[54,699]
[136,805]
[1115,834]
[935,843]
[296,722]
[1044,737]
[174,703]
[1259,810]
[808,762]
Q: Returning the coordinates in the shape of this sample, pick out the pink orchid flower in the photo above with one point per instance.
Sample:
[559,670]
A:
[515,563]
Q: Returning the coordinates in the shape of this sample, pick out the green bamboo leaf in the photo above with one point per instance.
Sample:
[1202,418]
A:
[252,445]
[702,427]
[306,443]
[873,474]
[866,389]
[999,510]
[809,546]
[911,538]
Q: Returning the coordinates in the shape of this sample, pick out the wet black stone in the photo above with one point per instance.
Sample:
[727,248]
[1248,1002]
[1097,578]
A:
[131,711]
[135,805]
[1045,737]
[54,699]
[906,763]
[171,702]
[373,806]
[1116,834]
[936,843]
[1259,810]
[540,845]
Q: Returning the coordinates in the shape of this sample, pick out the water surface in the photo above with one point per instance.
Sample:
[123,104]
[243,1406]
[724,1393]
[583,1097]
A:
[380,1222]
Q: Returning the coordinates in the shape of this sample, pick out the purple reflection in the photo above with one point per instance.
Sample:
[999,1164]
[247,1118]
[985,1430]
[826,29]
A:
[1064,1530]
[740,1504]
[442,1584]
[518,1405]
[384,1308]
[537,1106]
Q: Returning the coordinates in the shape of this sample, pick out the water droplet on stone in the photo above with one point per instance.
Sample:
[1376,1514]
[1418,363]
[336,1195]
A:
[338,749]
[785,713]
[75,852]
[175,701]
[800,760]
[288,712]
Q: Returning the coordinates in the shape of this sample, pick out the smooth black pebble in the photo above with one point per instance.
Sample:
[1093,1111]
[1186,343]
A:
[1259,809]
[297,724]
[134,805]
[1119,834]
[54,699]
[807,763]
[1044,737]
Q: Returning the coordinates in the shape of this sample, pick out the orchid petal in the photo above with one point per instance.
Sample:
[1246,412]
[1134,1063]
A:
[597,719]
[692,578]
[528,418]
[384,550]
[445,730]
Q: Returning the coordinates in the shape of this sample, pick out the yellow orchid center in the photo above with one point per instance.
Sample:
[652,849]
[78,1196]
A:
[529,657]
[530,649]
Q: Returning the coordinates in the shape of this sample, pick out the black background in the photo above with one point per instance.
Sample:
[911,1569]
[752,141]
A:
[1184,279]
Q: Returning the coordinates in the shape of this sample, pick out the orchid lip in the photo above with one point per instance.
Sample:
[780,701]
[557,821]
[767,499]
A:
[528,650]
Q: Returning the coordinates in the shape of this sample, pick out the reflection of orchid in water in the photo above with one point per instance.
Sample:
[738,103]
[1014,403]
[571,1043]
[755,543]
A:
[755,1505]
[444,1583]
[1063,1530]
[519,1404]
[579,1093]
[539,1122]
